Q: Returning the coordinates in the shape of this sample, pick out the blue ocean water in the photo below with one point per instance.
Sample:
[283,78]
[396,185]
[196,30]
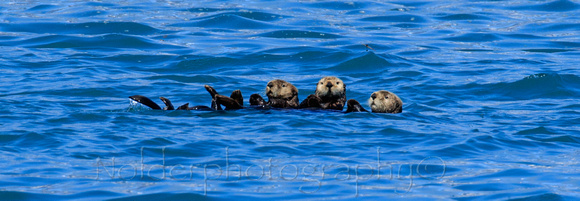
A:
[490,89]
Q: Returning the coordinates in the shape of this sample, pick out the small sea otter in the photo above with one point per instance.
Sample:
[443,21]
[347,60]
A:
[330,94]
[380,102]
[385,102]
[281,94]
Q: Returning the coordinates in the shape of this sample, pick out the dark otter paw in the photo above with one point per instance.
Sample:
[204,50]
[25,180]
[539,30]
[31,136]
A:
[145,101]
[237,96]
[168,105]
[354,106]
[312,101]
[228,102]
[183,107]
[256,99]
[211,91]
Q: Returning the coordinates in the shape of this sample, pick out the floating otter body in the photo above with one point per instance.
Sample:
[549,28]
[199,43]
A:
[380,102]
[281,94]
[235,101]
[146,101]
[330,94]
[168,105]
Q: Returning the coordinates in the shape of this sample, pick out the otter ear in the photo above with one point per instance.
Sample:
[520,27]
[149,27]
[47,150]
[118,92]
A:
[399,108]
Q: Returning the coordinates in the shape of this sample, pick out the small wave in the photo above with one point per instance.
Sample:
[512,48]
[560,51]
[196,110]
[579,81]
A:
[523,36]
[125,59]
[8,139]
[39,141]
[201,64]
[369,62]
[550,27]
[474,37]
[260,16]
[163,196]
[104,41]
[547,50]
[544,86]
[565,44]
[205,10]
[42,8]
[91,13]
[555,6]
[229,21]
[543,196]
[408,25]
[396,18]
[538,130]
[202,79]
[547,135]
[299,34]
[541,86]
[462,17]
[155,142]
[278,149]
[16,195]
[339,5]
[491,187]
[91,28]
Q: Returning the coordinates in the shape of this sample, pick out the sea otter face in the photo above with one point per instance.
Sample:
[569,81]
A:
[330,88]
[280,89]
[385,102]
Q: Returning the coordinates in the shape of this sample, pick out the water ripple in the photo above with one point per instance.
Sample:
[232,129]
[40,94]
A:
[490,92]
[396,18]
[555,6]
[91,28]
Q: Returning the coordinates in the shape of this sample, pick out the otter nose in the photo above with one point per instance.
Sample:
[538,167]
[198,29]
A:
[328,84]
[374,96]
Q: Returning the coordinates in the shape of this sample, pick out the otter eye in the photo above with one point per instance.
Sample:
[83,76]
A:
[283,85]
[337,83]
[386,97]
[320,83]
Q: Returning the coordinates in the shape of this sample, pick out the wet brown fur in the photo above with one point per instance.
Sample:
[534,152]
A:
[385,102]
[330,94]
[281,94]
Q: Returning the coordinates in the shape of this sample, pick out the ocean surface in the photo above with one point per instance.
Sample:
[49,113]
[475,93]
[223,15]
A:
[491,94]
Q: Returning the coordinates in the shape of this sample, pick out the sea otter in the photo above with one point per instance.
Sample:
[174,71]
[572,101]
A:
[380,102]
[384,101]
[168,105]
[281,94]
[330,94]
[235,101]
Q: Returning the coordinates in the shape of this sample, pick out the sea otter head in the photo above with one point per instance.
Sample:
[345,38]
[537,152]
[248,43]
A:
[280,89]
[330,88]
[385,102]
